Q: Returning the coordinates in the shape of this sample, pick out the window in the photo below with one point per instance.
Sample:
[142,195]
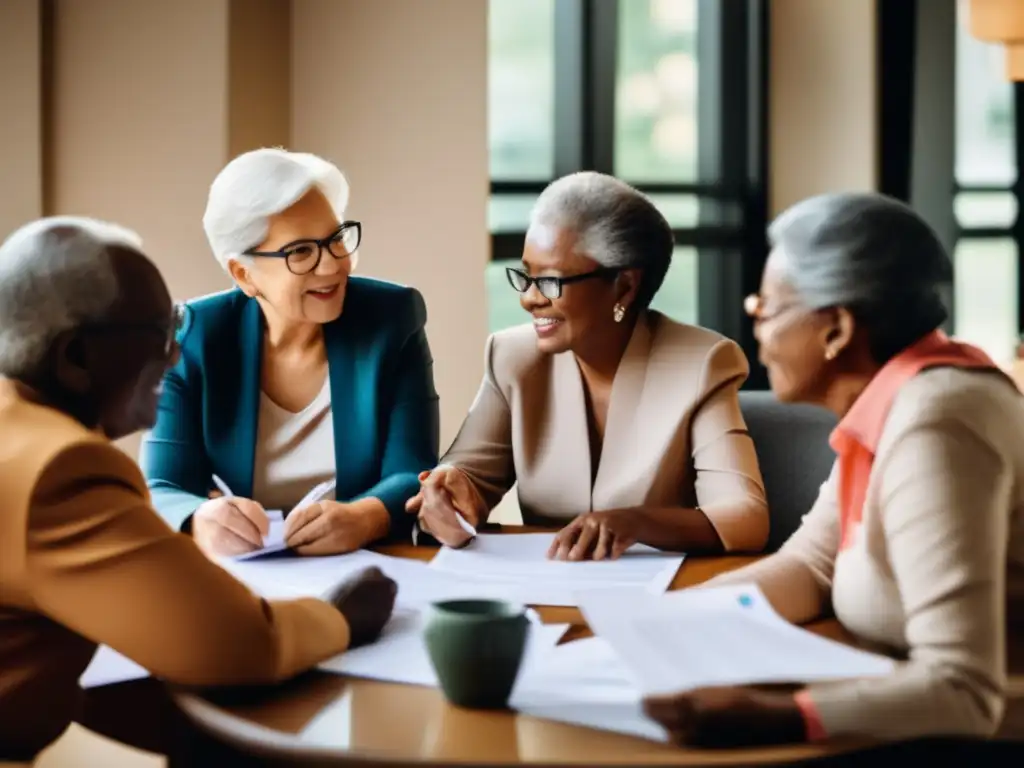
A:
[986,296]
[665,94]
[521,92]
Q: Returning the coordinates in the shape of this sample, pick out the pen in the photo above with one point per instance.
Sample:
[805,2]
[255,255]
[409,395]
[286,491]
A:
[465,524]
[222,487]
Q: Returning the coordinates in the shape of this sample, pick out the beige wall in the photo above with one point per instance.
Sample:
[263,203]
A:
[401,106]
[140,123]
[823,107]
[21,179]
[259,75]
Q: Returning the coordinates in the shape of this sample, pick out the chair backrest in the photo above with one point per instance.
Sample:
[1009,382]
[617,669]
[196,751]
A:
[794,454]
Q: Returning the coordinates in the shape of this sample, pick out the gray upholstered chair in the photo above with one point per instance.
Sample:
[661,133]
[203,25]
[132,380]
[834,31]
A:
[794,454]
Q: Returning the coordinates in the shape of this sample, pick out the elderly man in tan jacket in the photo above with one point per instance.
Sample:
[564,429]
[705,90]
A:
[87,330]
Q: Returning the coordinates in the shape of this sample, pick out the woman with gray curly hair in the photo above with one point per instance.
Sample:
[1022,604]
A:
[301,376]
[917,538]
[607,415]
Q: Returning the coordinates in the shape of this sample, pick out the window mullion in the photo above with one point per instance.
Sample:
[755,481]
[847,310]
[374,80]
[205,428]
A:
[571,141]
[1018,190]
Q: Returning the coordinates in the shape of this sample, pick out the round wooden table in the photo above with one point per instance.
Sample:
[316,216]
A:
[326,718]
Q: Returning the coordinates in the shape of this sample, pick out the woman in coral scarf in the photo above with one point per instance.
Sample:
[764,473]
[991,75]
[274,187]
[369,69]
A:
[917,538]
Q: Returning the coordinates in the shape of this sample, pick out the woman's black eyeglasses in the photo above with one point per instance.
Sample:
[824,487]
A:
[303,256]
[550,287]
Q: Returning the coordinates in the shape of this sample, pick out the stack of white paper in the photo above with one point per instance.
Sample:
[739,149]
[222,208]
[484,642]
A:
[518,563]
[717,637]
[400,655]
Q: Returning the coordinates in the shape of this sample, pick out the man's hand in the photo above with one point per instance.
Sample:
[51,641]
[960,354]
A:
[229,526]
[366,601]
[333,528]
[445,493]
[597,536]
[728,717]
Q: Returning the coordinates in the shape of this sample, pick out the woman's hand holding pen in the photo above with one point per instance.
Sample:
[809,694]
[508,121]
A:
[448,506]
[229,526]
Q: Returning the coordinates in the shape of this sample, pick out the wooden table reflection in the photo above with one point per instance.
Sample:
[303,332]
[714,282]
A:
[323,716]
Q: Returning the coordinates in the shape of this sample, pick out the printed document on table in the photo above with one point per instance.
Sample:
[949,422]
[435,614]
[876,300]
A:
[519,563]
[400,655]
[717,636]
[585,683]
[418,584]
[274,540]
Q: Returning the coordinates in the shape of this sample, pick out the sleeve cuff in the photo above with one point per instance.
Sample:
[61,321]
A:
[814,728]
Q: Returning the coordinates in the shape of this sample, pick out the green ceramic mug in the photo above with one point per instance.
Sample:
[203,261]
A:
[476,648]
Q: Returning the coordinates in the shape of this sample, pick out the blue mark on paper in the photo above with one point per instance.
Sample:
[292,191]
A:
[746,601]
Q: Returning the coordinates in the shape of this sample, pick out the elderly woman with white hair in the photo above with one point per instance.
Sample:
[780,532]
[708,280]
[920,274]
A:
[605,412]
[916,541]
[301,376]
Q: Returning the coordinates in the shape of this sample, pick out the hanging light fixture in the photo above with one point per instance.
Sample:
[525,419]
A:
[1001,21]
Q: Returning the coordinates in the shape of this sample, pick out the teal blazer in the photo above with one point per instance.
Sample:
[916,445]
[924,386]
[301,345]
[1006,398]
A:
[383,401]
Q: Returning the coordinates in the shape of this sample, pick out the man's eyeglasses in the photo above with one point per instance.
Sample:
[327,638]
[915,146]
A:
[550,287]
[304,256]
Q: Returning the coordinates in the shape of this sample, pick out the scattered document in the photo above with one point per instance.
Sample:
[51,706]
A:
[109,667]
[418,584]
[400,655]
[717,637]
[518,564]
[585,683]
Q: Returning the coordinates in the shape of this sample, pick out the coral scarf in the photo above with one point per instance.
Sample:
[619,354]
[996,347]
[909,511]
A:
[855,439]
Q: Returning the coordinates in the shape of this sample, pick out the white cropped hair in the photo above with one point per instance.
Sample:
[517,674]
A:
[255,186]
[55,275]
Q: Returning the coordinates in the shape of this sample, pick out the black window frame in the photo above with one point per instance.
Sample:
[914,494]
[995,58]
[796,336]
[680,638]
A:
[732,48]
[917,129]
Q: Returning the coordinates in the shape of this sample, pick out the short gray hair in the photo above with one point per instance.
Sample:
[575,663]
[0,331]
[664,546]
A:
[616,225]
[259,184]
[56,274]
[871,254]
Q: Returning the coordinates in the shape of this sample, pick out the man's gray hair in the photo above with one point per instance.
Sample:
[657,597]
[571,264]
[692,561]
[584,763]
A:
[257,185]
[56,274]
[871,254]
[616,225]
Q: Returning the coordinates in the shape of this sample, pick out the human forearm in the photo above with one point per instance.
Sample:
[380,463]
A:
[390,495]
[917,700]
[175,505]
[677,529]
[375,520]
[190,622]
